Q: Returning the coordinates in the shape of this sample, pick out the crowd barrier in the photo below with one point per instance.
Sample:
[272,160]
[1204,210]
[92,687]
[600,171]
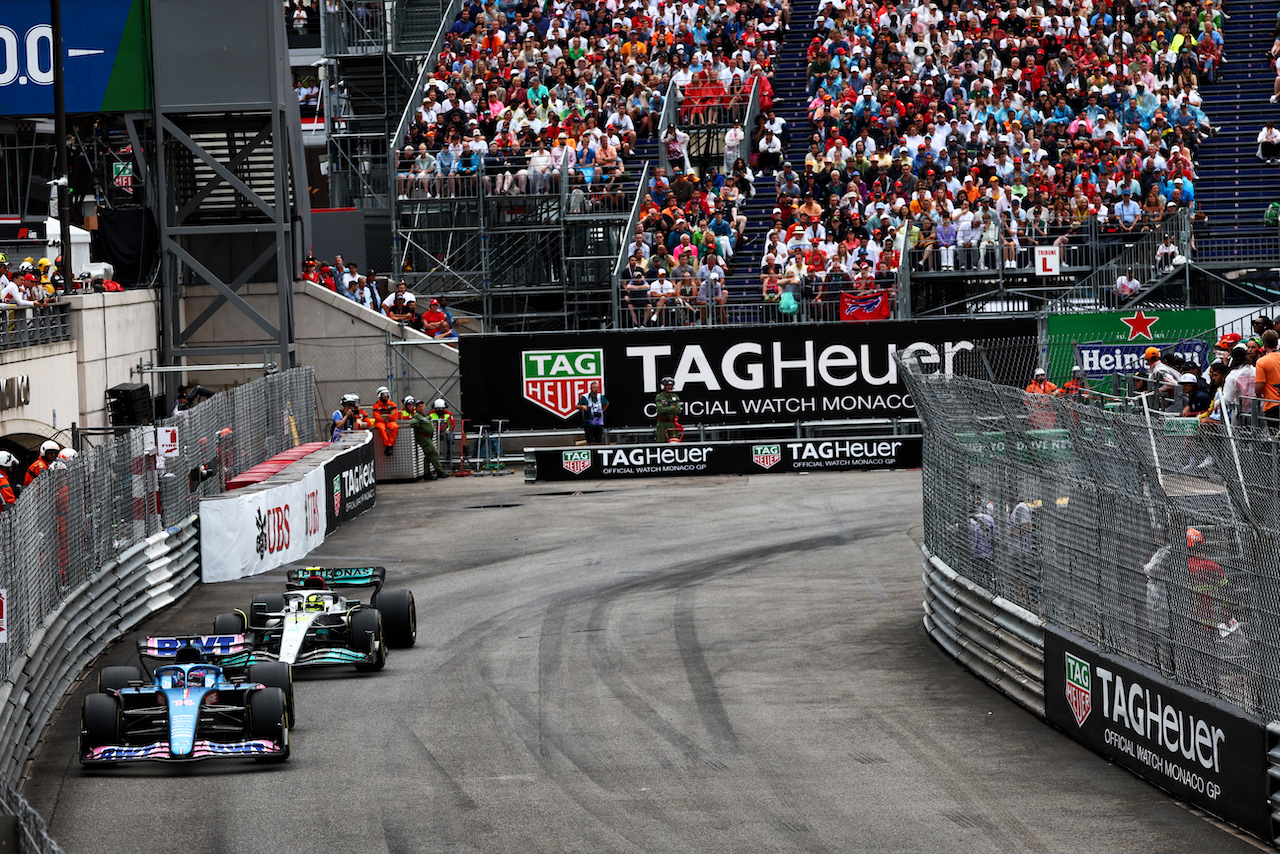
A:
[146,577]
[1112,570]
[95,546]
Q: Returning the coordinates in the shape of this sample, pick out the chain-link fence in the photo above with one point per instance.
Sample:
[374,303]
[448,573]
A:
[1150,535]
[33,834]
[79,516]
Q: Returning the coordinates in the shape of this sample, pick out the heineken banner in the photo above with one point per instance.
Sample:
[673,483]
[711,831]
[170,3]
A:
[699,458]
[1197,748]
[1105,343]
[788,373]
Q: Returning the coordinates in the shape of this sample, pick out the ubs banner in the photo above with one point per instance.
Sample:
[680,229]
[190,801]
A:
[697,458]
[1197,748]
[723,376]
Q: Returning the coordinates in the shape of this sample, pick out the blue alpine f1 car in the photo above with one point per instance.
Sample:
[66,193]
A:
[196,703]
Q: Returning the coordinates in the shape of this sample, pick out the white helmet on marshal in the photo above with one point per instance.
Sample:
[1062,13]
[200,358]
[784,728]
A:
[50,447]
[67,454]
[439,404]
[7,460]
[384,391]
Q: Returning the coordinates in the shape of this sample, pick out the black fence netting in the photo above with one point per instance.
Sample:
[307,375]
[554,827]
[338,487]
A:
[1151,535]
[78,516]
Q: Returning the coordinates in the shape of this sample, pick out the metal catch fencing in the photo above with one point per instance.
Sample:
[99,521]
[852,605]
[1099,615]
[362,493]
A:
[81,524]
[1149,535]
[31,831]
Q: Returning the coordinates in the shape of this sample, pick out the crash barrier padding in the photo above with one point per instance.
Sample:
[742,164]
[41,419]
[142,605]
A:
[146,577]
[771,456]
[275,465]
[1198,748]
[281,519]
[997,639]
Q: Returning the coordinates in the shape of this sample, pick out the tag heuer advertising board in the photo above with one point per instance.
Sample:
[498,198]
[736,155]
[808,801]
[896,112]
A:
[727,375]
[1198,748]
[1113,341]
[697,458]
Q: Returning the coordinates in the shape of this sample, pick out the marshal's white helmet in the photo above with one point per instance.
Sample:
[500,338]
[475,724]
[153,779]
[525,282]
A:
[7,460]
[350,398]
[439,404]
[384,390]
[410,401]
[50,447]
[67,454]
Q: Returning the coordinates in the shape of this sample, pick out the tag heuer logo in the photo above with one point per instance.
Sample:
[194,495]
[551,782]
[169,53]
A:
[337,495]
[1079,688]
[555,379]
[766,456]
[577,461]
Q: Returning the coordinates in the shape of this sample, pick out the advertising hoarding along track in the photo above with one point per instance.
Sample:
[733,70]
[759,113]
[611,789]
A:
[607,462]
[726,376]
[1196,747]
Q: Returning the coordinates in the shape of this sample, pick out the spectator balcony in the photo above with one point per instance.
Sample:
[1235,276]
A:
[30,327]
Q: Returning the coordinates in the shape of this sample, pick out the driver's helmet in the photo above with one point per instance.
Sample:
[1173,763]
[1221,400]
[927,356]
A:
[177,678]
[315,602]
[195,677]
[314,582]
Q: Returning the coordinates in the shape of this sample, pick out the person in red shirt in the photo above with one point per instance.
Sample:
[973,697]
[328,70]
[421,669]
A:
[8,462]
[385,414]
[48,453]
[435,323]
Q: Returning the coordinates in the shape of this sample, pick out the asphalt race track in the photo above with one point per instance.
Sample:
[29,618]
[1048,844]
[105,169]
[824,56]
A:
[701,665]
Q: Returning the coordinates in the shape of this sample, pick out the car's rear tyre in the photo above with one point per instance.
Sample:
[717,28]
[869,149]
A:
[229,624]
[117,676]
[367,636]
[267,719]
[99,722]
[399,618]
[277,674]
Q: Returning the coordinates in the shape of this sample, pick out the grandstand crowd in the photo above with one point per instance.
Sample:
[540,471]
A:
[950,136]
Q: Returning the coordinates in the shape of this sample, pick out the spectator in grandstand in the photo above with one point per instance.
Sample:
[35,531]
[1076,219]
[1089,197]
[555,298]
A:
[436,323]
[1269,143]
[1126,285]
[1267,380]
[1161,378]
[1166,254]
[1238,387]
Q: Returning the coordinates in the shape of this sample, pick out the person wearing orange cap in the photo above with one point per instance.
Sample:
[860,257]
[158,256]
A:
[1163,379]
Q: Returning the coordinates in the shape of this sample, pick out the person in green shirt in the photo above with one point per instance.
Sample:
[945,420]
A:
[424,434]
[669,408]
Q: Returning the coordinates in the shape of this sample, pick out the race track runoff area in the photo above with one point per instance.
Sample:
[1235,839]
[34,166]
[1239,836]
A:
[714,664]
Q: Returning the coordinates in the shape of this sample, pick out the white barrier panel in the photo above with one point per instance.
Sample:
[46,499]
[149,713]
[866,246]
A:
[250,531]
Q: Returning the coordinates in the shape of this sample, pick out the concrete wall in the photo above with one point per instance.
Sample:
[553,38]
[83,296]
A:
[112,333]
[345,343]
[53,402]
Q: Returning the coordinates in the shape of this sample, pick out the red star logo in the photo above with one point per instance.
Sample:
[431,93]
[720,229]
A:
[1139,324]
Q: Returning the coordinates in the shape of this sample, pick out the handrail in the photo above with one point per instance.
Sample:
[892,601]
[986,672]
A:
[628,230]
[670,108]
[1139,255]
[432,58]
